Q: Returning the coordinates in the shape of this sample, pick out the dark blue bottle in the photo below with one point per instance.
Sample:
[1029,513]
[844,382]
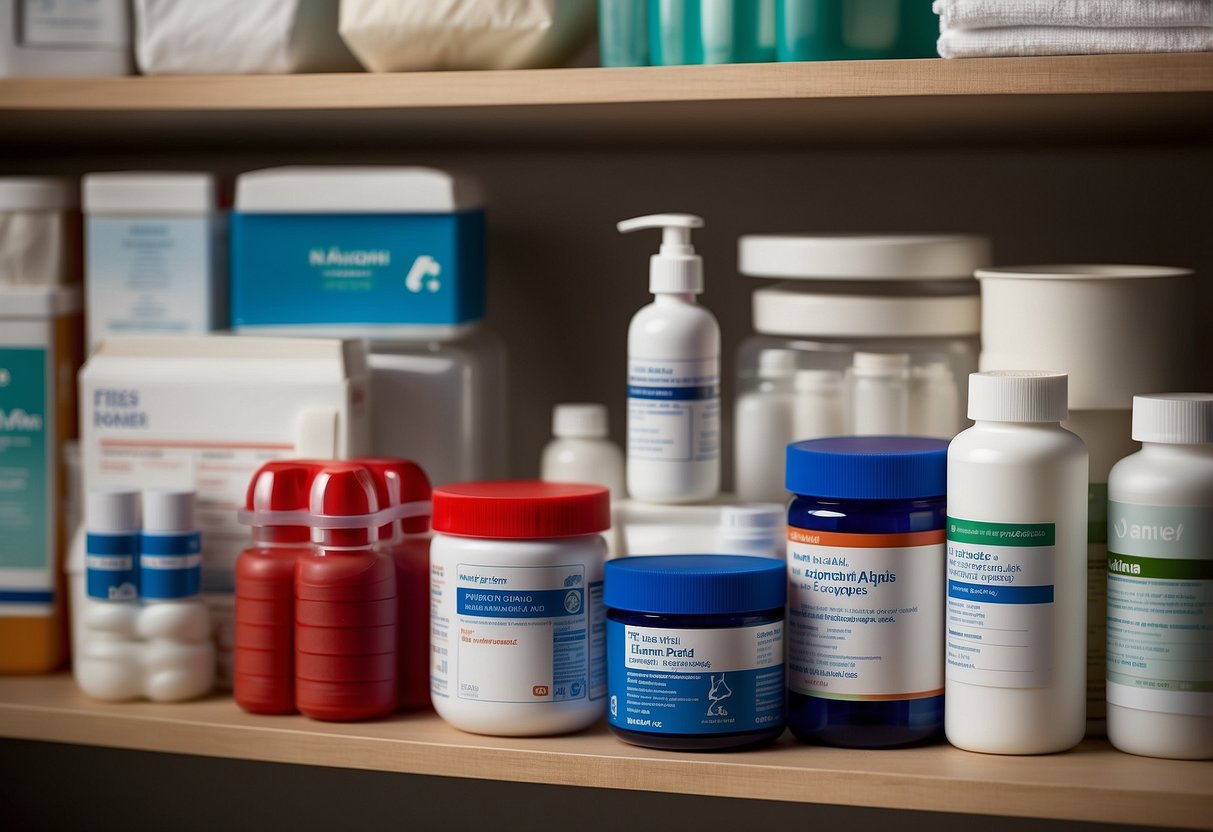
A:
[866,570]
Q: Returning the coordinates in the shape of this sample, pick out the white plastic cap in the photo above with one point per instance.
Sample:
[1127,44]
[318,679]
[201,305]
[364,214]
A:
[580,421]
[146,192]
[1018,396]
[881,364]
[676,268]
[812,381]
[37,193]
[355,189]
[169,510]
[863,256]
[1173,418]
[776,363]
[751,519]
[111,511]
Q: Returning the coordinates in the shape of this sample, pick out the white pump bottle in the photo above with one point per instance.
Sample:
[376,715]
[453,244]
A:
[673,449]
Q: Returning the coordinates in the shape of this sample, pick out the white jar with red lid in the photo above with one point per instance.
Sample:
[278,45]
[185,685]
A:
[517,624]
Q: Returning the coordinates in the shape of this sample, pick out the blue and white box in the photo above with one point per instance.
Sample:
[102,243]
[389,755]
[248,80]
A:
[357,252]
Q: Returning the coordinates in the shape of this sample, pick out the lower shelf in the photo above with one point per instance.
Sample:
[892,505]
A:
[1092,783]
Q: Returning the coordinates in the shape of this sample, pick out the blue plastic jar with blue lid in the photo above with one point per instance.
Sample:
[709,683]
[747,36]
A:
[695,658]
[866,577]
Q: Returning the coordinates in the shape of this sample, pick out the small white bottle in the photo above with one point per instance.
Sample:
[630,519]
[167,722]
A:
[1160,582]
[880,394]
[763,425]
[1017,570]
[818,409]
[581,450]
[673,448]
[174,621]
[934,401]
[759,529]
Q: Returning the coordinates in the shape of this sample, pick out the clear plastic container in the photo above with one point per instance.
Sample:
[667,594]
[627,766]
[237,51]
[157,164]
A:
[441,404]
[843,295]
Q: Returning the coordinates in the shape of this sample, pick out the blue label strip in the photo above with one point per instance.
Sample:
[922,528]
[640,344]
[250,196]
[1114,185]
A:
[111,544]
[189,543]
[26,596]
[498,603]
[675,394]
[1000,594]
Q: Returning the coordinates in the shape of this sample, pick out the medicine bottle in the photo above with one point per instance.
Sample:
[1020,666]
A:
[517,628]
[345,603]
[865,565]
[1160,582]
[263,679]
[1017,570]
[695,650]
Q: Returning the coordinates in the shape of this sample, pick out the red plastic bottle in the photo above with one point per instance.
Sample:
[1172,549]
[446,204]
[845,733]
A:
[345,605]
[264,652]
[407,543]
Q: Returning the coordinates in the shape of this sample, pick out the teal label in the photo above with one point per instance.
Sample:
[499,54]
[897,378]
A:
[25,540]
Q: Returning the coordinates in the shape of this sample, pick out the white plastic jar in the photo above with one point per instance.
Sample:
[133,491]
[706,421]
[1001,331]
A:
[909,297]
[517,624]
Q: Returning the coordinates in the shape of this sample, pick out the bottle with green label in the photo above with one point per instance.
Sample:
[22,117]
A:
[1160,582]
[1016,607]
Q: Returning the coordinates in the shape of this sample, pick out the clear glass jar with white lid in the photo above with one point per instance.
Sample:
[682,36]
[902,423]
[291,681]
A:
[885,326]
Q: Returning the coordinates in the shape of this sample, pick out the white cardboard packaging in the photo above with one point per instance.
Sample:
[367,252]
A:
[39,231]
[41,38]
[205,413]
[239,37]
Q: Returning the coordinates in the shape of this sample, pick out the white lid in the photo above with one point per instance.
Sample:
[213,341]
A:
[881,364]
[776,363]
[38,301]
[1085,271]
[169,510]
[808,381]
[111,511]
[1173,418]
[147,192]
[863,256]
[788,309]
[676,268]
[1018,396]
[355,190]
[37,193]
[757,518]
[579,421]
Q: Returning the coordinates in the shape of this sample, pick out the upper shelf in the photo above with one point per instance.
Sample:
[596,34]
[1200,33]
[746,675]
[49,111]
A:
[1160,96]
[1092,783]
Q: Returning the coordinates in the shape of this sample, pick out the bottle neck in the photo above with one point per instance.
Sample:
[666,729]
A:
[270,536]
[674,298]
[1167,450]
[991,424]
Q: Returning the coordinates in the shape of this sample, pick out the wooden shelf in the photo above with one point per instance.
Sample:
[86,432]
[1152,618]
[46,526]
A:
[1093,783]
[839,100]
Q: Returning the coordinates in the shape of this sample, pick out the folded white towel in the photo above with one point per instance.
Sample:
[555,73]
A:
[988,14]
[1070,40]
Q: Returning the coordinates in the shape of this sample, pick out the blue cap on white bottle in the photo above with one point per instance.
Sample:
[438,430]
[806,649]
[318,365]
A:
[170,551]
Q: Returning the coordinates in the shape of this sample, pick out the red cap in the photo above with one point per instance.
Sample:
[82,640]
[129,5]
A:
[399,481]
[522,509]
[343,489]
[281,485]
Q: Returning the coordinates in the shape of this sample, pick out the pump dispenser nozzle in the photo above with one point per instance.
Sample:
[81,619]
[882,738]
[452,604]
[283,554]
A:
[676,267]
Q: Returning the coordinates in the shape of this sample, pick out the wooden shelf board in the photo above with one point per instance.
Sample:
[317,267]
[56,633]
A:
[1093,783]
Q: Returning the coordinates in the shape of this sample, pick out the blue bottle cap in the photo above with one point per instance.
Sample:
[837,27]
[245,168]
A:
[868,467]
[695,584]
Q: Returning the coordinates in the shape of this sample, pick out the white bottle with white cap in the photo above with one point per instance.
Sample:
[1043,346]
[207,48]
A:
[107,658]
[673,449]
[174,621]
[818,411]
[581,450]
[1160,582]
[758,529]
[763,425]
[880,394]
[1017,570]
[934,401]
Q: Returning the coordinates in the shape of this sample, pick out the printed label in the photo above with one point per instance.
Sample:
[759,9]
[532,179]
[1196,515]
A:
[26,541]
[673,410]
[517,634]
[864,613]
[170,565]
[704,681]
[111,566]
[1097,597]
[1000,603]
[1160,608]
